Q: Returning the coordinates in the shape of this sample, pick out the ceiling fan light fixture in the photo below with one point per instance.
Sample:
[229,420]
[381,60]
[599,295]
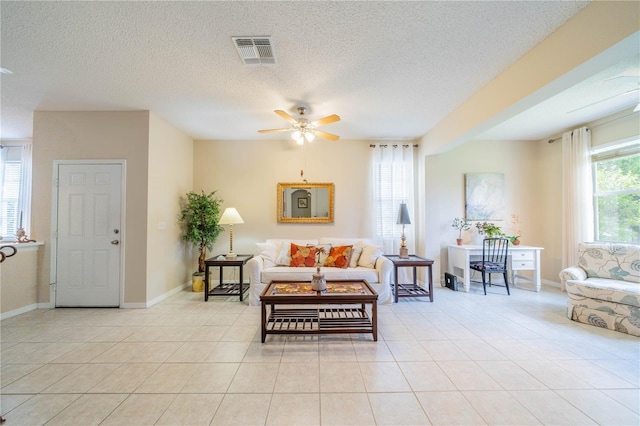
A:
[309,136]
[297,136]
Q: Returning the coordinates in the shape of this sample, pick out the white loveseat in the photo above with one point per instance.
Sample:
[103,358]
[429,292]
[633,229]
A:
[366,262]
[604,288]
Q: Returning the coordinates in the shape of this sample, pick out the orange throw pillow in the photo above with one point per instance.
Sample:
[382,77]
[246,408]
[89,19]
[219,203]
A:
[339,257]
[302,256]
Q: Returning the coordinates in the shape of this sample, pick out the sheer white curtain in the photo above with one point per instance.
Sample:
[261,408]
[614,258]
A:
[25,187]
[577,197]
[393,183]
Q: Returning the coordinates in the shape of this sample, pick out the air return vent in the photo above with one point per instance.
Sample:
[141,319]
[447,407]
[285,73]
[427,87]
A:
[255,50]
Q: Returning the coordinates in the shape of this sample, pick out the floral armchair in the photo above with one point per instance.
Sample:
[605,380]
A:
[604,288]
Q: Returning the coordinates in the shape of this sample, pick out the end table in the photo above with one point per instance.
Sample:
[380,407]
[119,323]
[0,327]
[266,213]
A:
[229,289]
[411,290]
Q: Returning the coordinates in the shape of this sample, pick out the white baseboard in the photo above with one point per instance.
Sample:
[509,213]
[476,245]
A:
[22,310]
[158,299]
[551,283]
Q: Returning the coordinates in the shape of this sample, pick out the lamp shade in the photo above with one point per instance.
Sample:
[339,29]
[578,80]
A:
[230,217]
[403,215]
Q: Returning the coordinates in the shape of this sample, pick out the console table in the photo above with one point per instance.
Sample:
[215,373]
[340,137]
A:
[521,258]
[229,289]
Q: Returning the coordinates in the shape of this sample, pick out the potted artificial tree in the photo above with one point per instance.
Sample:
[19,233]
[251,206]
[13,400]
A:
[199,218]
[461,224]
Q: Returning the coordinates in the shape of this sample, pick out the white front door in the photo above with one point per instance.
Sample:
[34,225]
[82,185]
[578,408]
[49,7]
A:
[89,235]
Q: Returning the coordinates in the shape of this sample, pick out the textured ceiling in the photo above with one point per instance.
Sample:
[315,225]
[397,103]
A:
[391,70]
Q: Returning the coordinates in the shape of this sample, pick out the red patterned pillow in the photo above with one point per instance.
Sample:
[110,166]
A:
[339,256]
[302,256]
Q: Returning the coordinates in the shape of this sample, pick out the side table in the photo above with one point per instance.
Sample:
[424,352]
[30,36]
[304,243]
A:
[411,290]
[229,289]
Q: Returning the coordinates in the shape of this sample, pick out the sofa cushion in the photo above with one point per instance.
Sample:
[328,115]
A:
[339,257]
[287,273]
[356,251]
[302,256]
[369,256]
[269,253]
[283,248]
[610,260]
[322,251]
[605,289]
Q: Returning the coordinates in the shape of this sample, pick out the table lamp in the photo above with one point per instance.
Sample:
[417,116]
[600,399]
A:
[230,217]
[403,219]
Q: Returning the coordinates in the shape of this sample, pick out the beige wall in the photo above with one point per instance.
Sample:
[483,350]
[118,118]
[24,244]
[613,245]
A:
[93,135]
[18,280]
[533,188]
[169,262]
[445,191]
[622,125]
[245,174]
[616,127]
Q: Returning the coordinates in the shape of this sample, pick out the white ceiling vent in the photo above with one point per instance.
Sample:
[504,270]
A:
[255,50]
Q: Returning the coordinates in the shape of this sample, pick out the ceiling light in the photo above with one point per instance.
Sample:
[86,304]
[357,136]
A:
[297,136]
[309,136]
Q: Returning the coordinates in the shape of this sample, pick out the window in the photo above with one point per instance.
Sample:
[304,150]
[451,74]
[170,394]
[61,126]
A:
[14,197]
[616,183]
[391,193]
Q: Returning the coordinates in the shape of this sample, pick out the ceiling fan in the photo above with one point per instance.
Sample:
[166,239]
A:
[303,129]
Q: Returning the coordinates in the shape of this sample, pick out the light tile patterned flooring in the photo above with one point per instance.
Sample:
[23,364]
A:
[465,359]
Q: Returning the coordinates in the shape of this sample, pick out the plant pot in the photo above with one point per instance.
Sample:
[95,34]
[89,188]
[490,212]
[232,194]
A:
[459,241]
[197,282]
[516,242]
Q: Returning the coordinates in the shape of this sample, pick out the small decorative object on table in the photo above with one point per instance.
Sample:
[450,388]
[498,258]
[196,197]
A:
[319,282]
[461,224]
[22,236]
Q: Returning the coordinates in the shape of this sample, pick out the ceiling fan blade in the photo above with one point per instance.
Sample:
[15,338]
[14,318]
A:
[273,130]
[327,120]
[286,116]
[326,135]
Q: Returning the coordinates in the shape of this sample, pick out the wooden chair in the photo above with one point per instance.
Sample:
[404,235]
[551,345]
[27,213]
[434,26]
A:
[494,261]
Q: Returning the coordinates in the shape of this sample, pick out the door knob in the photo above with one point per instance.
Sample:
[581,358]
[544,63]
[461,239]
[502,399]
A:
[115,242]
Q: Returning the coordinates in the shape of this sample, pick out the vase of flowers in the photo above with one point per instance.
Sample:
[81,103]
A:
[515,230]
[461,224]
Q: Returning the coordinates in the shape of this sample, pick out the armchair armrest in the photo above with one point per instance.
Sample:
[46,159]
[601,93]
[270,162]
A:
[571,273]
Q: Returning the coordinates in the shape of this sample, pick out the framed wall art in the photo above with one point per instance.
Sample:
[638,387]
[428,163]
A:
[484,196]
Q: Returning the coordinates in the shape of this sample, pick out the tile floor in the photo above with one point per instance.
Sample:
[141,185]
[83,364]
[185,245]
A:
[465,359]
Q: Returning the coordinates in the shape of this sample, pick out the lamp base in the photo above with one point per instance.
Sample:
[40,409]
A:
[404,253]
[231,255]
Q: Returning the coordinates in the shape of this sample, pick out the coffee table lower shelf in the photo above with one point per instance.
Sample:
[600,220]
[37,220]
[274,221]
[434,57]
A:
[319,321]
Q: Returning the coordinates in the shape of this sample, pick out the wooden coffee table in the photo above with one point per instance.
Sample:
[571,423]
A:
[321,316]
